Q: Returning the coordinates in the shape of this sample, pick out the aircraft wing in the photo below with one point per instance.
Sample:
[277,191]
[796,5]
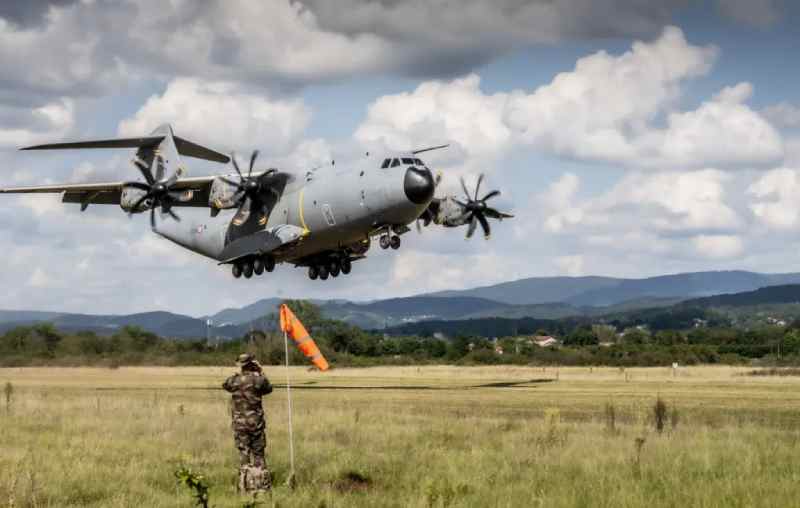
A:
[109,193]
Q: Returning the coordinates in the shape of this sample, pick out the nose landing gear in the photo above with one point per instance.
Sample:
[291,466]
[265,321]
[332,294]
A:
[387,241]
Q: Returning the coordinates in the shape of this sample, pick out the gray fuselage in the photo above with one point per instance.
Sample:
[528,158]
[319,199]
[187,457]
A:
[336,208]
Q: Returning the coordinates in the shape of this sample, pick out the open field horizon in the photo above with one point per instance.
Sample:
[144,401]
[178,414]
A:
[419,436]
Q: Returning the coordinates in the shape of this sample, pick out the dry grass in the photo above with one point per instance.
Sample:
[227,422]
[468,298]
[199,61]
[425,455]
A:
[428,436]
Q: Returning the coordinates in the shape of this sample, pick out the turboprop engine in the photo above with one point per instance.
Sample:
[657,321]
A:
[130,197]
[221,195]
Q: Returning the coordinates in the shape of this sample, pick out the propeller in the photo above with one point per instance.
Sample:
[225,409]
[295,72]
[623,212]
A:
[159,190]
[476,210]
[248,192]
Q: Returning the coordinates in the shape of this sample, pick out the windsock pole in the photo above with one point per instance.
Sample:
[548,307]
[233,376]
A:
[290,480]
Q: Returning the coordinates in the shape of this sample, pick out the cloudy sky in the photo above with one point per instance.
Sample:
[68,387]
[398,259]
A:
[629,140]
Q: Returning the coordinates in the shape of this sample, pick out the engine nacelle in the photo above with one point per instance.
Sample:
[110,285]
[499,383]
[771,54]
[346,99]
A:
[130,197]
[221,194]
[449,213]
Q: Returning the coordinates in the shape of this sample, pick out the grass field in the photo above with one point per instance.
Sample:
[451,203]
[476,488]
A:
[428,436]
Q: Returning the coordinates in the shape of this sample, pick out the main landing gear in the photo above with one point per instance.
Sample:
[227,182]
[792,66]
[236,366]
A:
[330,267]
[387,241]
[253,265]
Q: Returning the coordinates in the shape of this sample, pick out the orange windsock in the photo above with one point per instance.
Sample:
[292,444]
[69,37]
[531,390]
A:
[295,329]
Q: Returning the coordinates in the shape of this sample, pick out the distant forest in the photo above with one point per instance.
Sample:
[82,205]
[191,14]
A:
[687,335]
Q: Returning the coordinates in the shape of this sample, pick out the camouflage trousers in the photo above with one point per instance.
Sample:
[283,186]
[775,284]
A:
[251,445]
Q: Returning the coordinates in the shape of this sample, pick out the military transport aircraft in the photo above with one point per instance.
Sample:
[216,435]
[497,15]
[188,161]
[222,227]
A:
[322,220]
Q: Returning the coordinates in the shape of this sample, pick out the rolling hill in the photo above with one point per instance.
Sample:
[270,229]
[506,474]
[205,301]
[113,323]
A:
[535,298]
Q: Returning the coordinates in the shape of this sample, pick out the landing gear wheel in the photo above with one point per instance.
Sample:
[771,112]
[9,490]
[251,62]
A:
[236,270]
[269,263]
[333,268]
[313,272]
[323,273]
[395,242]
[247,269]
[258,266]
[384,242]
[346,266]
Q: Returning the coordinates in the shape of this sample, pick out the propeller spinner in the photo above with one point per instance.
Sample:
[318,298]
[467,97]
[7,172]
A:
[248,192]
[158,189]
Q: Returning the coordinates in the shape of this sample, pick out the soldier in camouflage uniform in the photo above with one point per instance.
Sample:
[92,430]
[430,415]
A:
[247,388]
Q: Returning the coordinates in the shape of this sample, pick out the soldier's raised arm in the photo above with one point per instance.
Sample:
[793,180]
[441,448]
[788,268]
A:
[230,384]
[263,385]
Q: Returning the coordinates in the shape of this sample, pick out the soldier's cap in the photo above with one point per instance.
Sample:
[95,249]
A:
[246,359]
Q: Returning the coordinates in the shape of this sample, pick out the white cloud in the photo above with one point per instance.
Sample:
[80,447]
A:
[221,114]
[588,113]
[570,265]
[651,212]
[775,200]
[86,48]
[24,126]
[456,112]
[783,114]
[718,246]
[39,279]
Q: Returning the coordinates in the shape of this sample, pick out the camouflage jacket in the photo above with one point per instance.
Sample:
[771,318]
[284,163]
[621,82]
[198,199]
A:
[246,391]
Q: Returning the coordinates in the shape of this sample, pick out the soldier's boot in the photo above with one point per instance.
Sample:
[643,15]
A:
[254,479]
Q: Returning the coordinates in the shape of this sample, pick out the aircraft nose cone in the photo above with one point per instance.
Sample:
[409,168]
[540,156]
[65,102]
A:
[418,185]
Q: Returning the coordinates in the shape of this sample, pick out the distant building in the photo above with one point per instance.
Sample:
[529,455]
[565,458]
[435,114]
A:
[775,321]
[545,341]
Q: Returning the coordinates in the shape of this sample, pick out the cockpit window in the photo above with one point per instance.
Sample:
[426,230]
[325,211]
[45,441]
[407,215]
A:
[386,163]
[408,161]
[395,163]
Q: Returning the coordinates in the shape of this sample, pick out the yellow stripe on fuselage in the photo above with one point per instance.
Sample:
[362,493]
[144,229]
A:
[300,208]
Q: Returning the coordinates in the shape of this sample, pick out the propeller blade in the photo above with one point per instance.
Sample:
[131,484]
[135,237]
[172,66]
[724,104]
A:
[494,214]
[144,170]
[242,213]
[438,179]
[487,231]
[236,166]
[478,185]
[473,223]
[252,162]
[490,195]
[419,228]
[231,182]
[136,185]
[173,215]
[464,186]
[153,218]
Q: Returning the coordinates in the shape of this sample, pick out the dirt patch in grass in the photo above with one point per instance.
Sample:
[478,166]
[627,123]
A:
[352,481]
[775,371]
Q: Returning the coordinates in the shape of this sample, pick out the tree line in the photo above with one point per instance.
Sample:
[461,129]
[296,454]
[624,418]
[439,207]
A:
[581,343]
